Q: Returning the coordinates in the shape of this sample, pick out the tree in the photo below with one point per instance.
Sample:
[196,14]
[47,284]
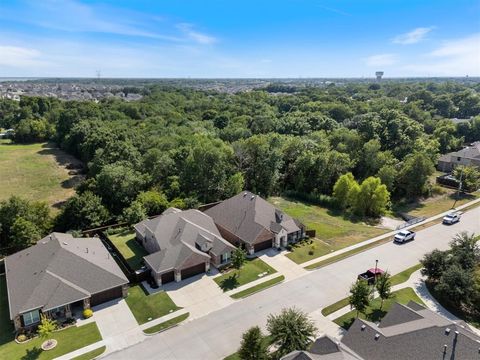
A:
[253,346]
[434,264]
[46,328]
[134,213]
[290,330]
[24,233]
[153,201]
[82,211]
[342,189]
[469,177]
[388,175]
[383,286]
[359,296]
[238,258]
[456,284]
[414,174]
[465,251]
[373,198]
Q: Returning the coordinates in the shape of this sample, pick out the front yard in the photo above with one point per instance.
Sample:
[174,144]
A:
[374,313]
[132,251]
[69,339]
[148,307]
[249,272]
[333,231]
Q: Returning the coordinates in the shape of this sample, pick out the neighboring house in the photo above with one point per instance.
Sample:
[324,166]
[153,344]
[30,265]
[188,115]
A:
[58,275]
[324,348]
[412,332]
[468,156]
[182,244]
[248,220]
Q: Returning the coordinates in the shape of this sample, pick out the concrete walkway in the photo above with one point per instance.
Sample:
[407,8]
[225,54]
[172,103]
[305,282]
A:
[387,235]
[82,351]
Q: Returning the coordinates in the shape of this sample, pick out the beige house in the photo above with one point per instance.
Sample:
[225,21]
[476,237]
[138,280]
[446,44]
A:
[468,156]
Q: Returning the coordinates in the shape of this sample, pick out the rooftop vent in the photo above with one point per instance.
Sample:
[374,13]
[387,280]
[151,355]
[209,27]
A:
[457,332]
[244,194]
[377,336]
[252,197]
[363,327]
[447,331]
[445,348]
[65,243]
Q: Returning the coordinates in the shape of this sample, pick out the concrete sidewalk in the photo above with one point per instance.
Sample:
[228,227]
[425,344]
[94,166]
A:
[163,319]
[387,235]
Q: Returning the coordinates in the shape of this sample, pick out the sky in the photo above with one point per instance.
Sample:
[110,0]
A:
[239,39]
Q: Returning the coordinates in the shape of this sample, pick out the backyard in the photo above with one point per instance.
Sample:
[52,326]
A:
[250,271]
[333,231]
[36,172]
[148,307]
[374,313]
[132,251]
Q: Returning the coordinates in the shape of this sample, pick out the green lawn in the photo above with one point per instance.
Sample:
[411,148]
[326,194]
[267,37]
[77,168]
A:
[91,354]
[33,171]
[131,250]
[373,312]
[333,231]
[435,205]
[340,304]
[69,340]
[404,275]
[257,288]
[148,307]
[249,272]
[166,324]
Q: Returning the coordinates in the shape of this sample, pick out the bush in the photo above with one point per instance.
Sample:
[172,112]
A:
[312,250]
[22,338]
[87,313]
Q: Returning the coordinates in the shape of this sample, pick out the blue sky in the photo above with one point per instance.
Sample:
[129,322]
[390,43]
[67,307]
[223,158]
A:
[224,38]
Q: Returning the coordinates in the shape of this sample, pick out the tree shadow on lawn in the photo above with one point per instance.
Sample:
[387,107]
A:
[229,283]
[32,354]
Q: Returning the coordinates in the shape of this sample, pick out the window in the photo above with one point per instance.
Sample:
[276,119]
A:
[31,317]
[225,257]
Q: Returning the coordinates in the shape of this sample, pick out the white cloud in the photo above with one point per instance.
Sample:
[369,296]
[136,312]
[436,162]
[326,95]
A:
[381,60]
[453,58]
[412,37]
[196,36]
[18,56]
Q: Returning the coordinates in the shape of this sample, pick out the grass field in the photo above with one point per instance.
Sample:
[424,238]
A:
[249,272]
[165,325]
[35,172]
[148,307]
[374,313]
[91,354]
[257,288]
[131,250]
[333,231]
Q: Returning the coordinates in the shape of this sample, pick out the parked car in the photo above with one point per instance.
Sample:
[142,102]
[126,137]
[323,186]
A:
[370,275]
[451,218]
[404,236]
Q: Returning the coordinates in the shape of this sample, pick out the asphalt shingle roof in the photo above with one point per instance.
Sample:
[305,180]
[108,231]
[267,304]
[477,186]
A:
[59,270]
[249,217]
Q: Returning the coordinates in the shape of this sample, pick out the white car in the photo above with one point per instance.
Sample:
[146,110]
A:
[404,236]
[451,218]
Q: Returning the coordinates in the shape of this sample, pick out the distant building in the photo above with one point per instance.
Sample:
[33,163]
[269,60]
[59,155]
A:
[468,156]
[379,75]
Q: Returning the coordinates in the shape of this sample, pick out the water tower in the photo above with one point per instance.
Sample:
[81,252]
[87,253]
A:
[379,75]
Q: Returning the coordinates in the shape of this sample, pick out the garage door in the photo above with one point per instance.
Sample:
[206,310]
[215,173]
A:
[262,245]
[105,296]
[194,270]
[168,277]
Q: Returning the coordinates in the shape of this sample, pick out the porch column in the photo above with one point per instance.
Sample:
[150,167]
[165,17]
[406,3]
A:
[125,290]
[250,249]
[86,303]
[17,322]
[68,311]
[284,241]
[178,276]
[158,279]
[207,266]
[276,242]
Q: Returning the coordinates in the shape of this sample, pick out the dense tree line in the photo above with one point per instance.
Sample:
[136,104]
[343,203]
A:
[185,147]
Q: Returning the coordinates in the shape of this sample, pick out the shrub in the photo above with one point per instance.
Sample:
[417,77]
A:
[87,313]
[312,250]
[22,338]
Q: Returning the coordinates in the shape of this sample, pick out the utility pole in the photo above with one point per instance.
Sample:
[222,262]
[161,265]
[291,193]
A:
[459,188]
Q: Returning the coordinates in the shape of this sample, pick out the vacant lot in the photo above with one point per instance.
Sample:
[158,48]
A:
[333,231]
[35,172]
[131,250]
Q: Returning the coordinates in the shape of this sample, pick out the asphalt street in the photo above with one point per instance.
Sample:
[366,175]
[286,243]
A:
[218,334]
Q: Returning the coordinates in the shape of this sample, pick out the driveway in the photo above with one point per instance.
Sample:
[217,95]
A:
[282,264]
[199,294]
[218,334]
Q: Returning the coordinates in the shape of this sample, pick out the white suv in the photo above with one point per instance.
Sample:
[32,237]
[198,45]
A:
[451,218]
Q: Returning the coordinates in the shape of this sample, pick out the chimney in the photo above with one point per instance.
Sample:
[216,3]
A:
[447,331]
